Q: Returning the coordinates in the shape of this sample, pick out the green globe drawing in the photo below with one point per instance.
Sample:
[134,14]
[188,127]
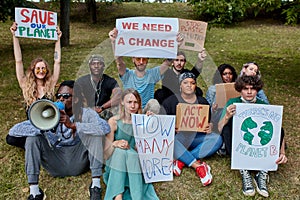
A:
[260,130]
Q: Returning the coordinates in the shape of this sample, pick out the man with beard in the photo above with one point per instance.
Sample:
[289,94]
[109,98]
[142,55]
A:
[101,91]
[141,79]
[170,84]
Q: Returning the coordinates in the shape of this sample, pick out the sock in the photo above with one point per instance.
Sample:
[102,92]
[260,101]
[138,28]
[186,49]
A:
[34,190]
[96,183]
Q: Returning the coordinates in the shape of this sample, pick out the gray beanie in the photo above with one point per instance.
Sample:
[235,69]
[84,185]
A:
[96,58]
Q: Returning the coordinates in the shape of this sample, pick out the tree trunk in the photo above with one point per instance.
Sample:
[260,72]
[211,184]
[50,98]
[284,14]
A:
[65,22]
[92,9]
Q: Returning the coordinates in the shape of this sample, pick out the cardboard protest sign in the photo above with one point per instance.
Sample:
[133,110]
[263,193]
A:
[191,117]
[194,34]
[35,23]
[225,91]
[154,137]
[256,136]
[152,37]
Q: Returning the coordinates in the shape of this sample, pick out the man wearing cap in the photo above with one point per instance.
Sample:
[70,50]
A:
[101,91]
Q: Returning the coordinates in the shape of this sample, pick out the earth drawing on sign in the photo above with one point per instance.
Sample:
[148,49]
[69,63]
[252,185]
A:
[257,131]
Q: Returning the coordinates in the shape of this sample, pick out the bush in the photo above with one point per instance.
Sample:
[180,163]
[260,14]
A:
[220,12]
[224,12]
[291,12]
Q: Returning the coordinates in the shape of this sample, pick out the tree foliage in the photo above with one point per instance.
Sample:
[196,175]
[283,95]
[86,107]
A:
[224,12]
[292,12]
[7,8]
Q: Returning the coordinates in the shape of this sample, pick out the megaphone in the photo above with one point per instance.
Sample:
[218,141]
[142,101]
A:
[44,114]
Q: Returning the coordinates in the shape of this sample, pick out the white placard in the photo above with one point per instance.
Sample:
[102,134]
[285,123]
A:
[152,37]
[154,137]
[256,136]
[35,23]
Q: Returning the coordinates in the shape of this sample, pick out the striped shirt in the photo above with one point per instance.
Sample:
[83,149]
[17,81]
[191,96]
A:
[144,85]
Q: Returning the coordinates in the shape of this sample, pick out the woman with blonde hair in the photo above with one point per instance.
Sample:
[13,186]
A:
[123,175]
[37,83]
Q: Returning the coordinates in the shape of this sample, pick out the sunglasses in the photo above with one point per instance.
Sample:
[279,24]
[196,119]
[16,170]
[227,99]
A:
[38,70]
[63,95]
[144,60]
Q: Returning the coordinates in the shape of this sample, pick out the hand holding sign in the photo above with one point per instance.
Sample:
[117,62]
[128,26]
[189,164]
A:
[13,28]
[113,34]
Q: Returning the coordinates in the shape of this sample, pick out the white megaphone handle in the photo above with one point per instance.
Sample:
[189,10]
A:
[48,113]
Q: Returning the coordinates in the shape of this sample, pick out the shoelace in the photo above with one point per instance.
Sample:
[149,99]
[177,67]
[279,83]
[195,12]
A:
[262,179]
[246,179]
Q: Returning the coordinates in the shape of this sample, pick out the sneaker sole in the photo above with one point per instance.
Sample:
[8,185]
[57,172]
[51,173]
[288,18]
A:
[264,194]
[250,194]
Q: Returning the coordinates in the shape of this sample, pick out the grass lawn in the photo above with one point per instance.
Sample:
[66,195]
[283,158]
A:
[273,46]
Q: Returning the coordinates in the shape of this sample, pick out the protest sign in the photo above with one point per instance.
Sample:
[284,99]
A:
[256,136]
[225,91]
[35,23]
[194,34]
[154,137]
[191,117]
[152,37]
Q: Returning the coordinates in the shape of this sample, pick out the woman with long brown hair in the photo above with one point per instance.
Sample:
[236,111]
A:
[37,83]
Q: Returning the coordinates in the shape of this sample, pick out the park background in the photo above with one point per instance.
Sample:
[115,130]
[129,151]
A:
[263,39]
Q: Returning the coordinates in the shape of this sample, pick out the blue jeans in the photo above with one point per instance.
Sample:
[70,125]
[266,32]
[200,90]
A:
[189,147]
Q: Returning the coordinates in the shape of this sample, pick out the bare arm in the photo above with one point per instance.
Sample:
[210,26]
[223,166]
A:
[230,111]
[119,59]
[109,138]
[282,157]
[18,57]
[164,66]
[115,99]
[200,60]
[57,58]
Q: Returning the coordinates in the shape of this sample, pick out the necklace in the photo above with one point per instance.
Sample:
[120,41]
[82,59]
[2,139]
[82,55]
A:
[97,89]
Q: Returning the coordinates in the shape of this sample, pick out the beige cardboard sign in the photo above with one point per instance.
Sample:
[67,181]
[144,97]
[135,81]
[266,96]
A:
[194,34]
[191,117]
[225,91]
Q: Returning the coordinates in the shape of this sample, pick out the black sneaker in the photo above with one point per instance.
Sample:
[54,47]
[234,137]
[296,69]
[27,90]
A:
[260,180]
[95,193]
[248,188]
[37,197]
[222,150]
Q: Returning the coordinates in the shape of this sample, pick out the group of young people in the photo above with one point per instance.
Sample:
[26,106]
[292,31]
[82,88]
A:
[95,127]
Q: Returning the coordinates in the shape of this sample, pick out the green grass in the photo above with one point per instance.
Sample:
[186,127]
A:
[273,46]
